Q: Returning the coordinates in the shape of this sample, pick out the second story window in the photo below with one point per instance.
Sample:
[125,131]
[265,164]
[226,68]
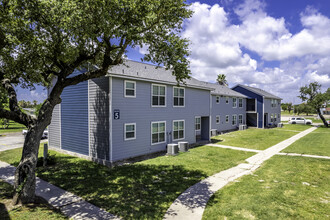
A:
[234,102]
[130,87]
[178,96]
[217,99]
[240,103]
[158,95]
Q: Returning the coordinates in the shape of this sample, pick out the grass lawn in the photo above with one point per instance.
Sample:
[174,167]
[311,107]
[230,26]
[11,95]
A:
[143,190]
[259,139]
[283,188]
[13,127]
[317,143]
[7,211]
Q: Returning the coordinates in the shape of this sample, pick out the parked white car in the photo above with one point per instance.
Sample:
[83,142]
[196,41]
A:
[300,120]
[44,135]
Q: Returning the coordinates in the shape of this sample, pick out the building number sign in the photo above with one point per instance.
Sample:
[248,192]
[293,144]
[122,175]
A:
[116,114]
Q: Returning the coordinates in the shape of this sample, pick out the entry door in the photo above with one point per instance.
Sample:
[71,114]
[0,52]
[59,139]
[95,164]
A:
[198,125]
[266,119]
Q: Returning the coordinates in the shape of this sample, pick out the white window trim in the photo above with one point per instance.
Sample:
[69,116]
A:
[216,117]
[226,119]
[184,97]
[127,139]
[234,102]
[238,102]
[235,120]
[200,122]
[227,100]
[184,129]
[153,122]
[238,119]
[216,98]
[129,96]
[158,106]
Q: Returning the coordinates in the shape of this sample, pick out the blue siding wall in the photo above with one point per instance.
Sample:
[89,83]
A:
[138,110]
[74,118]
[259,102]
[222,109]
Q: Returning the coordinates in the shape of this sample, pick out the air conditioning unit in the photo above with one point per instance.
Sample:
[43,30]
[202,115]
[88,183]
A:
[172,149]
[214,132]
[242,127]
[183,146]
[280,125]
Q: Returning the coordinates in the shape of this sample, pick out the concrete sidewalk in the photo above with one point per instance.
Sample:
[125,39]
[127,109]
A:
[68,203]
[192,202]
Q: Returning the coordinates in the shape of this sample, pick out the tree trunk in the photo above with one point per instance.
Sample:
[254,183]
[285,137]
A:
[25,180]
[322,118]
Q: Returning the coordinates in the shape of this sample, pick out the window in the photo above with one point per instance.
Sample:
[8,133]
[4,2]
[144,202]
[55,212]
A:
[178,96]
[227,100]
[234,118]
[217,119]
[130,131]
[178,130]
[275,117]
[271,118]
[240,119]
[197,123]
[240,103]
[130,89]
[227,118]
[217,99]
[158,132]
[234,102]
[158,95]
[273,103]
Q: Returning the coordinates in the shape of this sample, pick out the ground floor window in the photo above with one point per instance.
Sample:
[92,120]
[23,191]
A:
[158,132]
[178,129]
[130,131]
[197,123]
[240,119]
[234,120]
[217,119]
[275,117]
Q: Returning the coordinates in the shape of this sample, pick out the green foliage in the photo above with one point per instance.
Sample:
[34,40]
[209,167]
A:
[4,123]
[222,80]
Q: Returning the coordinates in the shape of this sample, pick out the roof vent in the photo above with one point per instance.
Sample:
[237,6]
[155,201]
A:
[123,71]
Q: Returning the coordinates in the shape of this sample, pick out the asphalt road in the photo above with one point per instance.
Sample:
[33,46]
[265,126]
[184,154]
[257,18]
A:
[13,140]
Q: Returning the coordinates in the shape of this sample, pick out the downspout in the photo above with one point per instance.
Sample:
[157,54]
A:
[110,119]
[210,118]
[263,111]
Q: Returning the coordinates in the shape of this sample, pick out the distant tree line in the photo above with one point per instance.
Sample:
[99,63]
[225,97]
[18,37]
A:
[298,109]
[27,104]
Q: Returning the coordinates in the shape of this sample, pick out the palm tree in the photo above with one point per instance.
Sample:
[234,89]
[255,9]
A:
[222,80]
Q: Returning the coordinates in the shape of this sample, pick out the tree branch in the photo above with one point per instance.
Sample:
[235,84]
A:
[12,116]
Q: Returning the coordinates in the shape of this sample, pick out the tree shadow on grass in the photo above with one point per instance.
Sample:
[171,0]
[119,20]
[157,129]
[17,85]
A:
[133,191]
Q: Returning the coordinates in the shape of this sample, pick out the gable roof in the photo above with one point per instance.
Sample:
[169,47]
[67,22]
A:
[142,71]
[223,90]
[259,92]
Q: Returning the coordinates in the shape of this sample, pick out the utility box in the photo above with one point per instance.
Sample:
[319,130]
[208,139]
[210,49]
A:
[280,125]
[242,127]
[213,132]
[172,149]
[183,146]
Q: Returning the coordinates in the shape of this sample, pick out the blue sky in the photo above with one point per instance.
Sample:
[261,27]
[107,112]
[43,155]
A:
[276,45]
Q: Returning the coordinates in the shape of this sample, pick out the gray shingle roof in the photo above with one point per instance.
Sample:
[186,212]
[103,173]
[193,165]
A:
[223,90]
[143,71]
[259,92]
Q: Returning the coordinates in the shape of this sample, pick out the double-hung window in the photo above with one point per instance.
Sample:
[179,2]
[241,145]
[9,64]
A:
[234,120]
[240,119]
[158,95]
[158,132]
[240,103]
[130,131]
[197,123]
[234,102]
[275,117]
[178,96]
[217,99]
[227,118]
[130,89]
[178,129]
[217,119]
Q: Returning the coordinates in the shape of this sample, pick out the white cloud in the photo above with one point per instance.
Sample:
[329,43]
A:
[217,46]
